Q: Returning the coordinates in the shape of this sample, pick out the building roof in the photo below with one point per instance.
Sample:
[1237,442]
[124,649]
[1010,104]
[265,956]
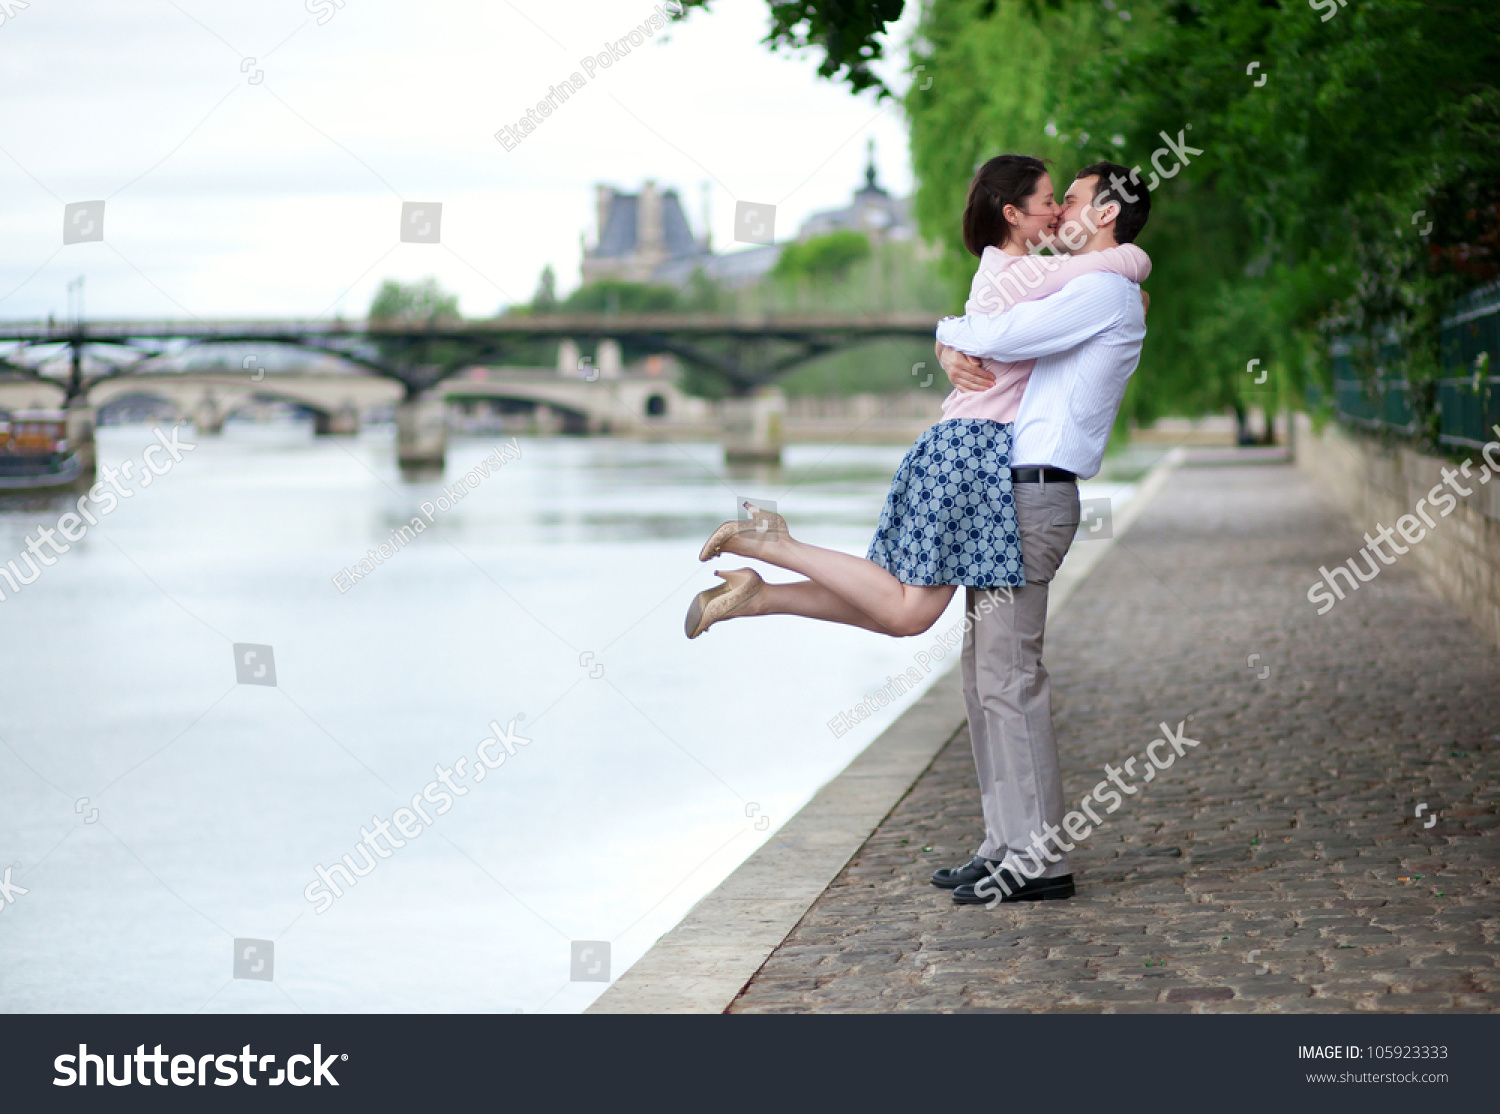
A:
[735,268]
[645,236]
[620,235]
[872,211]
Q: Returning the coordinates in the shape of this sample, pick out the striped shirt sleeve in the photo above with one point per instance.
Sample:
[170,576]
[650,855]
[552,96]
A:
[1086,307]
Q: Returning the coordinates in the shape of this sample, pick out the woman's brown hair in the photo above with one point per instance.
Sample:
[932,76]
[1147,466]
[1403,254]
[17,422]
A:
[1004,180]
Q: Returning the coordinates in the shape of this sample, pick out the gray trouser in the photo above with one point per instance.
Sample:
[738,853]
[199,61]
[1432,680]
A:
[1006,691]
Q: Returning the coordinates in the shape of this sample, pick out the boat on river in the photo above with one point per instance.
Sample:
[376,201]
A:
[34,451]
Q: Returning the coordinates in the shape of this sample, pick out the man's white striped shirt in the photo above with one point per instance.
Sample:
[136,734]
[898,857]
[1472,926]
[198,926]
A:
[1086,340]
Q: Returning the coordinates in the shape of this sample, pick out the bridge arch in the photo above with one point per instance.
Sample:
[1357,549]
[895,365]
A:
[134,405]
[548,414]
[334,401]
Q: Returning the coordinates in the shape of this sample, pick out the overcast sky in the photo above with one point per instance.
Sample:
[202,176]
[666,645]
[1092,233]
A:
[253,162]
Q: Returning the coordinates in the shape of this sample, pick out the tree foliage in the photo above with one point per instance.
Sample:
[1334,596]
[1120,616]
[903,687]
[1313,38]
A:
[1305,217]
[413,303]
[545,299]
[1369,123]
[821,257]
[418,362]
[611,296]
[845,32]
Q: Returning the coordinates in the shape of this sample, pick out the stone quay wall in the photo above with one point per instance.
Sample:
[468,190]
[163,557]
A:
[1377,484]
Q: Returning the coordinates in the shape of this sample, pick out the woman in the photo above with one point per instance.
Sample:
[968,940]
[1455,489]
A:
[949,519]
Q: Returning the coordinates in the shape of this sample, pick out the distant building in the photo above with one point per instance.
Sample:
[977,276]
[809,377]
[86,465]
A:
[731,269]
[645,237]
[639,233]
[873,211]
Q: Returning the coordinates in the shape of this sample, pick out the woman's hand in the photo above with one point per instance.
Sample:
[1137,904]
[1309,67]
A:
[1145,302]
[963,371]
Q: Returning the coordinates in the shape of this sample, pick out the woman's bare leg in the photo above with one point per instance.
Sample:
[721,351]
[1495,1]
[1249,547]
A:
[878,600]
[812,601]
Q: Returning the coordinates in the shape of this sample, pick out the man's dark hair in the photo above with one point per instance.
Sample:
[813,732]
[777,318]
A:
[1133,214]
[1004,180]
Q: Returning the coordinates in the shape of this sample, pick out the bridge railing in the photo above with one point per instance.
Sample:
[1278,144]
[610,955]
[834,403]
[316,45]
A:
[556,325]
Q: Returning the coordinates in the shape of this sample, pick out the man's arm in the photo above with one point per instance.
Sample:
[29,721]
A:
[1082,309]
[964,372]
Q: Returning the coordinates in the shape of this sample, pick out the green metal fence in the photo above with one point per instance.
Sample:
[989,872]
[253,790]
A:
[1380,402]
[1367,393]
[1470,401]
[1470,410]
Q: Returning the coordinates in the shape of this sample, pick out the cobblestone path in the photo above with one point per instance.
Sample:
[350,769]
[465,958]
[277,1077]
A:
[1280,866]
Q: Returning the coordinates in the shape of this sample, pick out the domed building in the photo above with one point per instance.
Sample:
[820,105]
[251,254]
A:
[646,237]
[873,211]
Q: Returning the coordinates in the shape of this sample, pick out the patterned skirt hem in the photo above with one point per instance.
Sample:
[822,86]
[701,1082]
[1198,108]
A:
[950,517]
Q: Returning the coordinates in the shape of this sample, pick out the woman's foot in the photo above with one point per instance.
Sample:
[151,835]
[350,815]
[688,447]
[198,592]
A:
[708,607]
[743,537]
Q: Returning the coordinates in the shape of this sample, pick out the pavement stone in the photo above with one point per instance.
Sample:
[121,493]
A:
[1290,831]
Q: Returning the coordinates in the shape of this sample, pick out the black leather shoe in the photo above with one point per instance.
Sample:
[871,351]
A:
[1007,886]
[966,875]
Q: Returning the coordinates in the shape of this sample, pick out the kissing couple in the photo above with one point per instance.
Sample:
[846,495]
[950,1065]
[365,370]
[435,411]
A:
[987,498]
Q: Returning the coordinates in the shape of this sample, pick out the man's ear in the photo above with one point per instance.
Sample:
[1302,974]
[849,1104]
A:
[1107,214]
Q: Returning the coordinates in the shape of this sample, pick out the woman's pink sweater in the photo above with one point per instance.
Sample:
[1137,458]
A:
[1001,282]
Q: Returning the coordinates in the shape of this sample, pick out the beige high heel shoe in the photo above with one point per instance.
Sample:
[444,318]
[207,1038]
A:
[760,522]
[713,604]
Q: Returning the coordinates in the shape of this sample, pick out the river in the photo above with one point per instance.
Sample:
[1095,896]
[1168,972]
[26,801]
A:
[166,821]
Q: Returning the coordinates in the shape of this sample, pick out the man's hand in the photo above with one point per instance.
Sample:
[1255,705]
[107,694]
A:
[964,372]
[1145,302]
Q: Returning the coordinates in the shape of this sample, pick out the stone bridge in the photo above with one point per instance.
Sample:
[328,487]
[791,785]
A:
[627,404]
[419,365]
[340,402]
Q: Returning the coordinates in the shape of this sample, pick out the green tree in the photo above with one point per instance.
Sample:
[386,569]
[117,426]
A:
[545,298]
[821,258]
[894,276]
[703,294]
[611,296]
[844,31]
[413,303]
[1304,217]
[417,361]
[1382,111]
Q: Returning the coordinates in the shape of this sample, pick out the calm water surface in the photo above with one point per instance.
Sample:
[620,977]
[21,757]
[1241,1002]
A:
[552,595]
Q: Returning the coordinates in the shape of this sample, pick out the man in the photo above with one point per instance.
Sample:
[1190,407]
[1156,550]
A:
[1086,340]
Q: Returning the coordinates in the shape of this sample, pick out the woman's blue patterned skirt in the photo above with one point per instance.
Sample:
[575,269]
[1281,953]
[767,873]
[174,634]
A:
[950,517]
